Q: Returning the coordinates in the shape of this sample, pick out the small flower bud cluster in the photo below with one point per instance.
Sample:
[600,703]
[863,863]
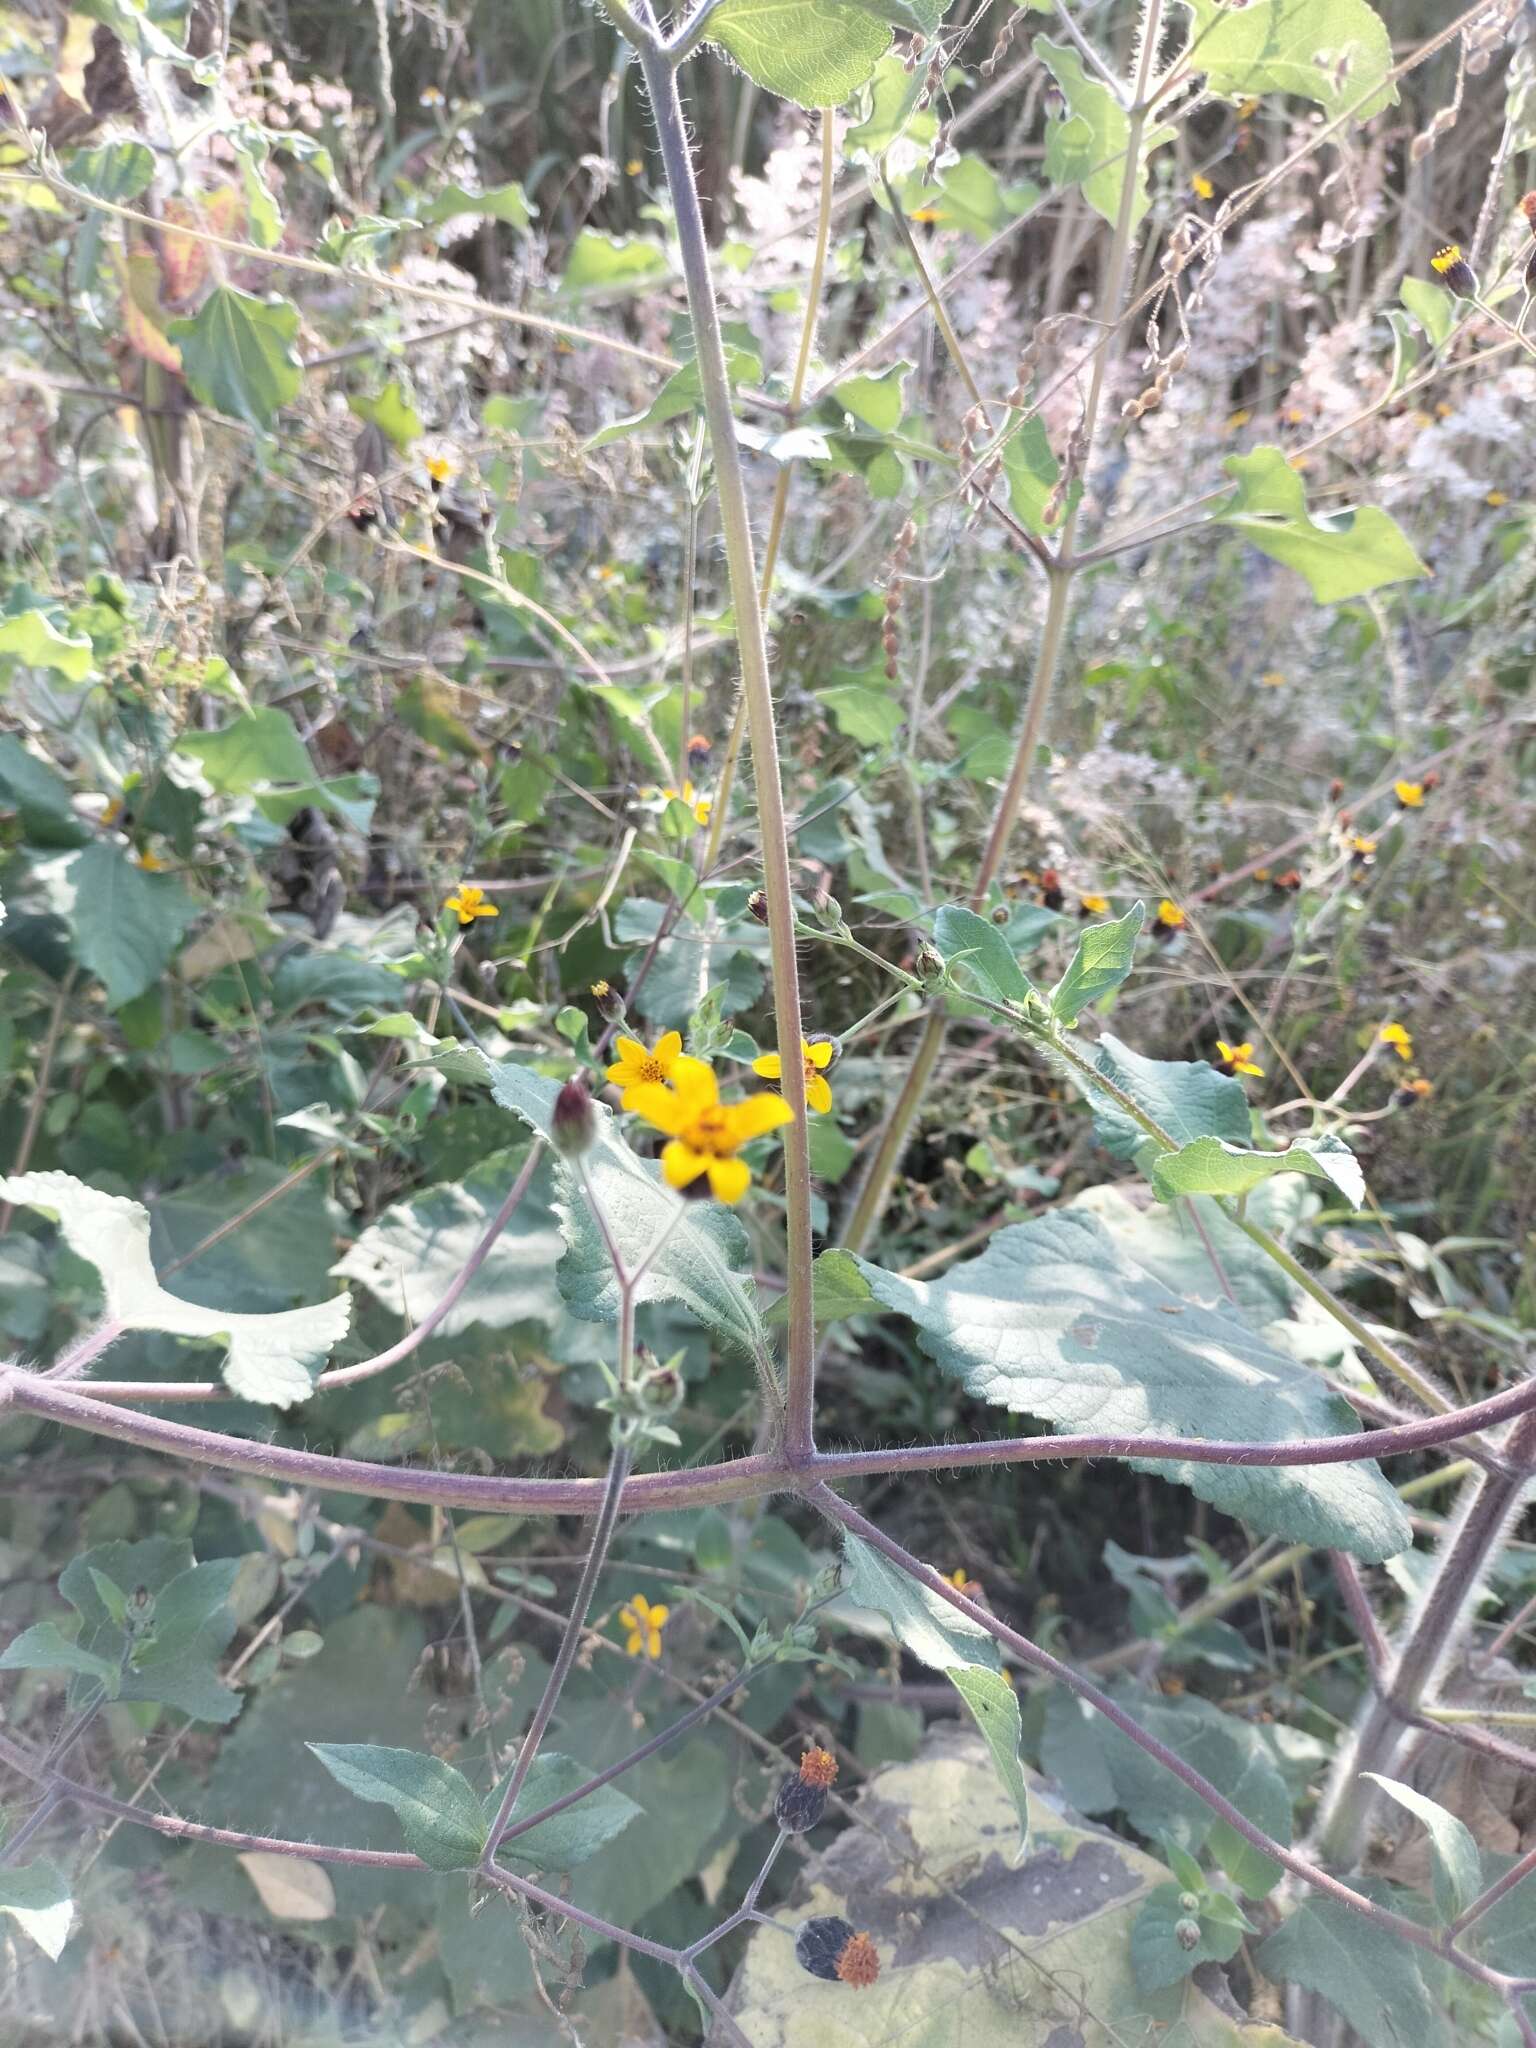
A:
[830,1949]
[890,634]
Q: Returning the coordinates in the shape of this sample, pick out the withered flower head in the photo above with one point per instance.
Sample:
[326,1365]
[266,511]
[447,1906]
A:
[1454,271]
[830,1949]
[818,1767]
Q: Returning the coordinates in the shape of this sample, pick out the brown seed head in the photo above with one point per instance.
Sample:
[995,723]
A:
[818,1767]
[859,1962]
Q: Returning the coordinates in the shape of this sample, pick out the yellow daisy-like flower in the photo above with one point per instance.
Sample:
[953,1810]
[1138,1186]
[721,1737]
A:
[926,214]
[1496,499]
[468,902]
[1202,186]
[643,1624]
[819,1054]
[636,1068]
[1093,905]
[698,803]
[439,468]
[1361,846]
[705,1133]
[1238,1059]
[1169,915]
[1410,795]
[1453,270]
[633,168]
[1399,1037]
[114,810]
[962,1582]
[1238,419]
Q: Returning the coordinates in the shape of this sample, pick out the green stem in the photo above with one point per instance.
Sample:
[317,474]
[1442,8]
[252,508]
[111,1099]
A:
[757,692]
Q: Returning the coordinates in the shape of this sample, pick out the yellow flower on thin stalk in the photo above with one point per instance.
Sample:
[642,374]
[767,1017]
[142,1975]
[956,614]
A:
[1238,1059]
[636,1067]
[1410,795]
[819,1054]
[643,1624]
[468,902]
[1202,186]
[706,1133]
[1399,1037]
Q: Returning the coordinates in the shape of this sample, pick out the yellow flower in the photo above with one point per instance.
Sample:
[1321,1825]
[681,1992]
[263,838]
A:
[925,214]
[1453,270]
[643,1624]
[1203,188]
[1360,846]
[1420,1086]
[1240,418]
[633,168]
[1496,499]
[439,468]
[1238,1059]
[697,803]
[637,1068]
[1169,915]
[151,863]
[705,1133]
[1093,905]
[1399,1037]
[962,1582]
[113,811]
[1410,795]
[819,1054]
[1273,678]
[468,902]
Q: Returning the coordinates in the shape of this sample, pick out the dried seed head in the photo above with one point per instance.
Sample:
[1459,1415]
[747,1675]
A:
[799,1805]
[830,1949]
[757,905]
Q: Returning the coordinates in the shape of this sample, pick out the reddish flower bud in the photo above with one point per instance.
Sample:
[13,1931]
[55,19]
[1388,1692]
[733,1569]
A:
[574,1124]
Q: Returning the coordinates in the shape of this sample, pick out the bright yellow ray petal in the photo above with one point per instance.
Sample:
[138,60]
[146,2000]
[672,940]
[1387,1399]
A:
[680,1164]
[759,1113]
[820,1054]
[729,1179]
[695,1083]
[659,1106]
[770,1066]
[818,1093]
[668,1046]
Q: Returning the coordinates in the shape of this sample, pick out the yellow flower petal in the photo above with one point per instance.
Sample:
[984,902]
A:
[770,1066]
[660,1106]
[680,1164]
[695,1083]
[818,1093]
[729,1179]
[667,1047]
[757,1115]
[820,1053]
[659,1614]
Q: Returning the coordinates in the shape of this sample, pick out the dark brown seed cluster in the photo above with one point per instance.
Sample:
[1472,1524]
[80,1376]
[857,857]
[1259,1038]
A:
[829,1948]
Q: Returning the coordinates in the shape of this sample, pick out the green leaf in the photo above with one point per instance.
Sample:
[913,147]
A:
[39,798]
[395,417]
[1336,53]
[1343,555]
[1053,1320]
[876,399]
[682,393]
[1030,465]
[35,641]
[889,111]
[439,1815]
[271,1358]
[45,1647]
[568,1838]
[1089,147]
[1369,1975]
[507,203]
[814,52]
[125,922]
[838,1289]
[1457,1864]
[252,752]
[599,263]
[1104,957]
[1210,1166]
[695,1265]
[1186,1098]
[1431,305]
[1158,1957]
[37,1898]
[946,1640]
[117,170]
[173,1656]
[872,717]
[975,945]
[238,354]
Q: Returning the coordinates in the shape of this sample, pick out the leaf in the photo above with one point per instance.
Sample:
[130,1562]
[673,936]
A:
[33,639]
[876,399]
[1209,1166]
[976,944]
[238,354]
[124,921]
[45,1647]
[889,111]
[1186,1098]
[39,798]
[507,203]
[1458,1866]
[946,1640]
[1104,957]
[838,1289]
[1052,1320]
[439,1815]
[1343,555]
[682,393]
[1334,52]
[395,417]
[695,1265]
[1158,1957]
[117,170]
[250,753]
[37,1899]
[599,262]
[1030,465]
[568,1838]
[1431,305]
[269,1358]
[290,1887]
[173,1656]
[1370,1976]
[814,52]
[1089,147]
[872,717]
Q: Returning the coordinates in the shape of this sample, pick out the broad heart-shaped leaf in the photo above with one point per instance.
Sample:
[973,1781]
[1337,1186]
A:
[238,355]
[568,1838]
[1186,1098]
[1089,147]
[117,170]
[125,923]
[1104,957]
[1334,52]
[1344,555]
[1052,1320]
[34,640]
[439,1815]
[269,1357]
[250,752]
[1369,1975]
[600,262]
[814,52]
[1458,1866]
[37,1898]
[875,398]
[982,953]
[946,1640]
[1210,1166]
[695,1265]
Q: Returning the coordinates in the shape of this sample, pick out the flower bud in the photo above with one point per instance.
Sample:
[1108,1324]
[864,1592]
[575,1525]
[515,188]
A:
[1187,1933]
[661,1390]
[929,963]
[574,1124]
[1188,1902]
[610,1004]
[829,1948]
[757,905]
[1001,914]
